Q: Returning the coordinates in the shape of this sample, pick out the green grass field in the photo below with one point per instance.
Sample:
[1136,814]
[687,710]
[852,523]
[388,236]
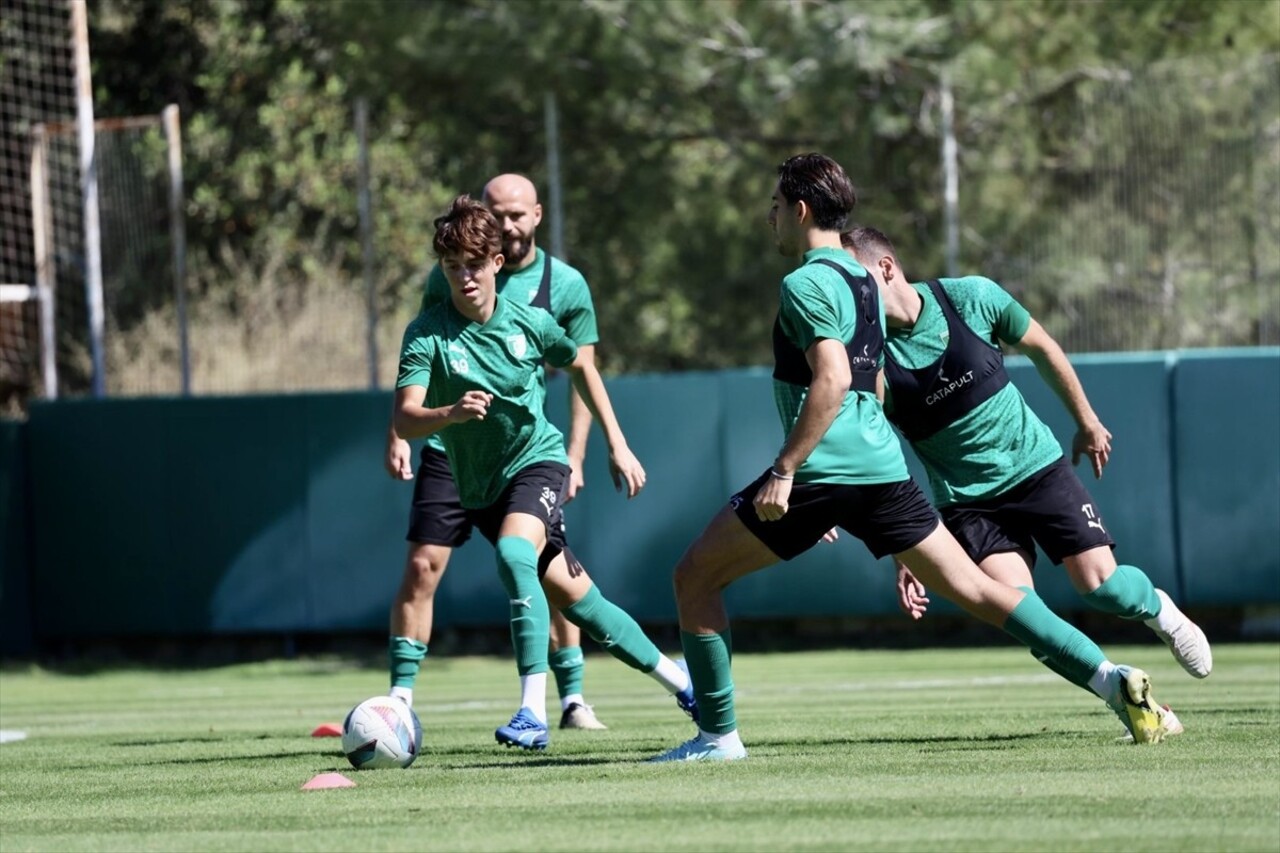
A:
[969,749]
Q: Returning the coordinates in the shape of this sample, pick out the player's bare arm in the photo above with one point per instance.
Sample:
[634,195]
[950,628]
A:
[624,467]
[830,366]
[414,420]
[1091,439]
[579,430]
[398,459]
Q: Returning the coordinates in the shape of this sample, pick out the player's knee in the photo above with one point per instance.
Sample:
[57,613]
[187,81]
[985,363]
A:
[702,563]
[1090,569]
[517,563]
[690,576]
[423,571]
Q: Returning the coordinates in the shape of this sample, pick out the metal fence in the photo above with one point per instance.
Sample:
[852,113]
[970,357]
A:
[1164,230]
[38,170]
[1159,229]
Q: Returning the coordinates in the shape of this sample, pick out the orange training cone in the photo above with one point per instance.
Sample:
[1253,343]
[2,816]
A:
[328,780]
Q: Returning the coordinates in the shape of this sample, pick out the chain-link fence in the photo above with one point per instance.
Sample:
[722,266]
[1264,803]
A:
[38,171]
[1163,227]
[1154,223]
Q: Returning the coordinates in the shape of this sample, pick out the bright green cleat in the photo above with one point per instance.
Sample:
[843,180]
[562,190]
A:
[698,749]
[1168,719]
[1132,702]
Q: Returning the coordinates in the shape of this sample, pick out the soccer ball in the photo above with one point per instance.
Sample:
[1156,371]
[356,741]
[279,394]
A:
[381,732]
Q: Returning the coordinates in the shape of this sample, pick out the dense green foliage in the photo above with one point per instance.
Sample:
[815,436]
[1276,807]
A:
[943,749]
[672,117]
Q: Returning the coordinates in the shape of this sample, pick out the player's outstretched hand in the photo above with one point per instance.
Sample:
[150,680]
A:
[399,459]
[911,594]
[1094,442]
[471,406]
[626,470]
[576,480]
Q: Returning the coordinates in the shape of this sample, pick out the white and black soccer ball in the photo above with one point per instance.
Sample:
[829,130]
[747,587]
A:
[381,732]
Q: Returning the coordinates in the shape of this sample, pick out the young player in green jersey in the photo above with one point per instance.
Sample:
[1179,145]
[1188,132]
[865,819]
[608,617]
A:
[437,522]
[470,372]
[841,466]
[998,474]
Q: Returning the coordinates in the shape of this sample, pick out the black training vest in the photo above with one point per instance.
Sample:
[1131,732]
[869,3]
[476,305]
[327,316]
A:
[542,299]
[789,363]
[969,372]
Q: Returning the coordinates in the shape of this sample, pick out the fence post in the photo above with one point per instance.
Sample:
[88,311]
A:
[364,203]
[89,189]
[554,195]
[178,235]
[951,178]
[46,279]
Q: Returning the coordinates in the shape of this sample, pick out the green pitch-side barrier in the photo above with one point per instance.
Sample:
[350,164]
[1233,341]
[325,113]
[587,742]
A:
[1226,433]
[274,513]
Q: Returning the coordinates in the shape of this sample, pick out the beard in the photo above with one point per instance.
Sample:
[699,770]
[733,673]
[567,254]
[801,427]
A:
[516,249]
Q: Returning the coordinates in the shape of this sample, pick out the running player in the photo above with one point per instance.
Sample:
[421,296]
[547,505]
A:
[470,372]
[997,473]
[841,466]
[437,522]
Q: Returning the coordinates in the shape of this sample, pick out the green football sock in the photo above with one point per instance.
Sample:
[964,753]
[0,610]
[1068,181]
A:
[566,665]
[611,626]
[1128,593]
[708,657]
[1060,646]
[406,656]
[530,616]
[1059,671]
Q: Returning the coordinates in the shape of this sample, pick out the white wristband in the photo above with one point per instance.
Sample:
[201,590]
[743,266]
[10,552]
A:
[775,475]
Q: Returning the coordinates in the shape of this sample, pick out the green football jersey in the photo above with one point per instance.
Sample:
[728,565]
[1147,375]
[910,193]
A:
[568,300]
[859,446]
[1001,442]
[449,355]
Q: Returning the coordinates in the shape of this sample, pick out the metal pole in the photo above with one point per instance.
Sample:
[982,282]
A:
[554,194]
[951,178]
[1262,199]
[364,203]
[46,280]
[89,192]
[178,235]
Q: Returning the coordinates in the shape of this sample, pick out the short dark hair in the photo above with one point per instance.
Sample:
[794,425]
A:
[468,229]
[821,183]
[865,241]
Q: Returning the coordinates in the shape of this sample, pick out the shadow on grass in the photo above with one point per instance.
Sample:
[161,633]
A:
[530,761]
[467,759]
[931,744]
[256,758]
[967,741]
[230,737]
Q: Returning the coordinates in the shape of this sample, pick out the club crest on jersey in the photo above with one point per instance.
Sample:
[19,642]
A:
[518,345]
